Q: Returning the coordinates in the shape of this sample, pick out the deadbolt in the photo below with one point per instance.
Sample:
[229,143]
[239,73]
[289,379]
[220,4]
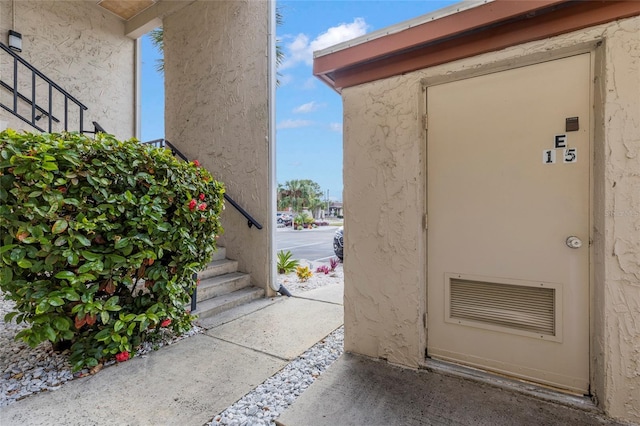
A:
[574,242]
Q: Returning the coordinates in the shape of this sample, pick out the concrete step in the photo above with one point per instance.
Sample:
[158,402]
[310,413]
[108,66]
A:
[218,267]
[221,285]
[217,305]
[219,254]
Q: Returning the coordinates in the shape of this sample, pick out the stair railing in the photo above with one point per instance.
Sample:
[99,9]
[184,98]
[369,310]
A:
[163,143]
[38,111]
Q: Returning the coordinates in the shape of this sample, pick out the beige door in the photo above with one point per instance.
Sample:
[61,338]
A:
[508,207]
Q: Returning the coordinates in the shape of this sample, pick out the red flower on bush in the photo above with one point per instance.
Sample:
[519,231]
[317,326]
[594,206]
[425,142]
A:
[165,323]
[196,163]
[201,196]
[202,206]
[192,204]
[122,356]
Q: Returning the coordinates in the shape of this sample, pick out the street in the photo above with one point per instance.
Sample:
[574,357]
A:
[315,245]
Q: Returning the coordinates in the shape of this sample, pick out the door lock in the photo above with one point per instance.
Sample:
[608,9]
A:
[573,242]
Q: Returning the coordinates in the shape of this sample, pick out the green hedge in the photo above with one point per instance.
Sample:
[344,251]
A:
[100,238]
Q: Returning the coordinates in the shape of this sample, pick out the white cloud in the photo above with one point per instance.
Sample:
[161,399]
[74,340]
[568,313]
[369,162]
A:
[307,108]
[310,83]
[342,32]
[300,50]
[293,124]
[335,127]
[297,51]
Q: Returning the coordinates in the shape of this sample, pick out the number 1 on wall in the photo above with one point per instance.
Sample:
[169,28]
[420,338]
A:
[549,156]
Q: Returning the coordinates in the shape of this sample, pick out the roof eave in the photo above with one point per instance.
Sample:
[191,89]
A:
[463,35]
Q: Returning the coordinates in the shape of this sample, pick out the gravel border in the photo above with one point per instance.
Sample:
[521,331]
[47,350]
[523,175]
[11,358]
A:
[267,401]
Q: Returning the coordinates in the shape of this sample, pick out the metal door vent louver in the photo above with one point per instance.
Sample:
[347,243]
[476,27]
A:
[523,308]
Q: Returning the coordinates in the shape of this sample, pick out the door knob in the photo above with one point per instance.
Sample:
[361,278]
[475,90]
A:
[574,242]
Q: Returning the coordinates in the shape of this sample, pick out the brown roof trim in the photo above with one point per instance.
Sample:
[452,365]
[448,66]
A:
[486,28]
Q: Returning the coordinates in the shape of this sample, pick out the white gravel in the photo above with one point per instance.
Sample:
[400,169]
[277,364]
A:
[266,402]
[25,371]
[318,279]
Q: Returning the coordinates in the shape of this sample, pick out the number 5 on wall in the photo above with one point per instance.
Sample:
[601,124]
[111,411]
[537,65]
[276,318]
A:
[570,155]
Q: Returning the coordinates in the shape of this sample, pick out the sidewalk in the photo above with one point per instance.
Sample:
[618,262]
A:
[358,391]
[191,381]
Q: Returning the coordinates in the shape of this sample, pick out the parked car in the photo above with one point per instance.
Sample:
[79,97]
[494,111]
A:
[338,243]
[284,219]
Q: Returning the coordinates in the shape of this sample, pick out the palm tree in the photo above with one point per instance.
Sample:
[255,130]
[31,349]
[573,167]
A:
[299,195]
[157,39]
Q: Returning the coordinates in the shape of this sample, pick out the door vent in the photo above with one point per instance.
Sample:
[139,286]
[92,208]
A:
[524,309]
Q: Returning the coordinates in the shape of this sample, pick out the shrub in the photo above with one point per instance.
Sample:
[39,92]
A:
[285,263]
[100,239]
[303,273]
[303,219]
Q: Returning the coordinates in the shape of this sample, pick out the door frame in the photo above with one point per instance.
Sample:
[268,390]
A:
[596,204]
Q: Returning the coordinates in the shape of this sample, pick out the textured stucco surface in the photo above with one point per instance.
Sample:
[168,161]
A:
[385,190]
[83,49]
[217,112]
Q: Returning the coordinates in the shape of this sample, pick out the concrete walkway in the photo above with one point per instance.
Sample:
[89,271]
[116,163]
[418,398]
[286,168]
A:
[191,381]
[357,391]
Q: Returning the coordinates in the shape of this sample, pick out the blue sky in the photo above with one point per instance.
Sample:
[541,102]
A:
[308,113]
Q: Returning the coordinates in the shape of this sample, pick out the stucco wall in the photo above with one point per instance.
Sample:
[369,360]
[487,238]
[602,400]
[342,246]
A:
[83,49]
[385,189]
[216,111]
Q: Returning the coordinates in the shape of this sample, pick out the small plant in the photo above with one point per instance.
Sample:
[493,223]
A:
[285,263]
[303,273]
[333,263]
[323,268]
[303,220]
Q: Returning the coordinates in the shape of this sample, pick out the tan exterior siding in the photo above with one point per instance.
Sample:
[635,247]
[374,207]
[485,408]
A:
[83,49]
[385,187]
[383,198]
[217,112]
[618,307]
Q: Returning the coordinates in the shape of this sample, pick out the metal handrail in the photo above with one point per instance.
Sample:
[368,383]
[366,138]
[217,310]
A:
[250,220]
[163,143]
[37,112]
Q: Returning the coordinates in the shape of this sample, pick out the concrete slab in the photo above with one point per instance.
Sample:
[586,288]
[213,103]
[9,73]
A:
[333,293]
[238,312]
[186,383]
[285,329]
[360,391]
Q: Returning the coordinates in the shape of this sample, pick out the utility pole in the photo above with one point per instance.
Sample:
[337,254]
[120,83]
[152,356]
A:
[328,206]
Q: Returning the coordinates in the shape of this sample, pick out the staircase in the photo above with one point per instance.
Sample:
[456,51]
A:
[222,287]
